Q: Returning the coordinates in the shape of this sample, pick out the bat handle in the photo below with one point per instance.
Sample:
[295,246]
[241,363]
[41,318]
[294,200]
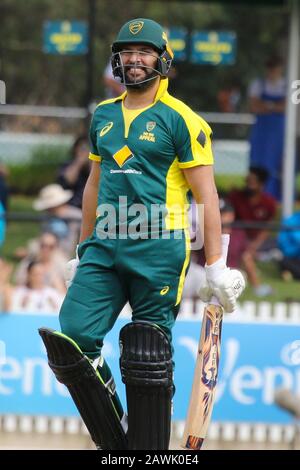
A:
[225,245]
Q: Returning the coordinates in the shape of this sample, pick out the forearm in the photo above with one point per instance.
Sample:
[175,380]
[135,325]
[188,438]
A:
[89,202]
[89,207]
[212,227]
[202,184]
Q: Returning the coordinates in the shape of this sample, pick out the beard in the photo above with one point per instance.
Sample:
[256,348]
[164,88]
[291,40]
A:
[143,82]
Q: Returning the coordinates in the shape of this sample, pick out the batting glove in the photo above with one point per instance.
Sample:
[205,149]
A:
[224,283]
[70,269]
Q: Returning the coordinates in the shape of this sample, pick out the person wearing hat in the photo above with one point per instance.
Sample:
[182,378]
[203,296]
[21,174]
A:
[148,150]
[62,219]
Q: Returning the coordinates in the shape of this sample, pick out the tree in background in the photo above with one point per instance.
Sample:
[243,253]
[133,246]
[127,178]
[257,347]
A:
[33,77]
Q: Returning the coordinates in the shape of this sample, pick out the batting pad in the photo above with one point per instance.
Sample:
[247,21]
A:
[147,370]
[94,395]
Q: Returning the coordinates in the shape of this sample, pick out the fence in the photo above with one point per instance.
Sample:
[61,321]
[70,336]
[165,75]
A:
[252,367]
[231,155]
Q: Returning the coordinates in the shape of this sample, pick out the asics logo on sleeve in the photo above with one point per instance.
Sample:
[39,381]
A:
[106,129]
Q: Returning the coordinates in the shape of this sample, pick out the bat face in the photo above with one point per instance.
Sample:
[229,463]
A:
[206,371]
[205,379]
[211,355]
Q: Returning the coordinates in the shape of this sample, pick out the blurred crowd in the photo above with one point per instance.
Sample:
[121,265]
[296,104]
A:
[36,283]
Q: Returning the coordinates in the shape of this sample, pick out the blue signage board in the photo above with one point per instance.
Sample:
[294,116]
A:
[65,37]
[214,48]
[178,42]
[256,359]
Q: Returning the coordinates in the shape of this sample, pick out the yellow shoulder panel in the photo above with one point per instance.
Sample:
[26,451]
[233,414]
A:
[186,112]
[194,123]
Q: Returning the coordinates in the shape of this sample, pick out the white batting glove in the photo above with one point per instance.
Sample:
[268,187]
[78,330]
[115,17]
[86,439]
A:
[224,283]
[205,293]
[70,269]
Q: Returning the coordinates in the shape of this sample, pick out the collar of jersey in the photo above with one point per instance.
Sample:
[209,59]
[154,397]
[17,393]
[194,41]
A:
[162,89]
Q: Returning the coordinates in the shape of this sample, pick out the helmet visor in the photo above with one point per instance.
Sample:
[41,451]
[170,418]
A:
[135,66]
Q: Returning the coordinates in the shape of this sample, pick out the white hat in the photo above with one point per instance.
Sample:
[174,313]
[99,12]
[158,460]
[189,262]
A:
[51,196]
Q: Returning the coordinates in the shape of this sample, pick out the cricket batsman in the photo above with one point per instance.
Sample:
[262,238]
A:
[148,150]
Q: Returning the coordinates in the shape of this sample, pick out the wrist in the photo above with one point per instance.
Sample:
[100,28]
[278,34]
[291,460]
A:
[213,259]
[215,270]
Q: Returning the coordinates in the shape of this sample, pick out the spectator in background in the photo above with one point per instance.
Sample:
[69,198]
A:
[289,244]
[229,97]
[113,87]
[252,204]
[4,191]
[46,251]
[196,273]
[267,100]
[74,173]
[35,296]
[63,219]
[2,224]
[5,286]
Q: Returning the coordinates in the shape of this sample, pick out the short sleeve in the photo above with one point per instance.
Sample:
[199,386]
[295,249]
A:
[93,155]
[193,141]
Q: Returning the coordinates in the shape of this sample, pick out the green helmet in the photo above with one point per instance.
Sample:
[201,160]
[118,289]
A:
[142,31]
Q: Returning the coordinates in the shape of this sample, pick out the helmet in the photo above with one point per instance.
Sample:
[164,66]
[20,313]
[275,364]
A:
[142,31]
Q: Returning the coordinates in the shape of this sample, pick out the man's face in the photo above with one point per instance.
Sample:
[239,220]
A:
[253,185]
[274,73]
[139,62]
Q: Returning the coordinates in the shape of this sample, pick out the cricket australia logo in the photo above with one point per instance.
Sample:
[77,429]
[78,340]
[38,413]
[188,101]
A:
[136,27]
[149,134]
[150,125]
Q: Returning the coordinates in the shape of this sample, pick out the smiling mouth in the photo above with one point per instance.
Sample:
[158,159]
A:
[134,68]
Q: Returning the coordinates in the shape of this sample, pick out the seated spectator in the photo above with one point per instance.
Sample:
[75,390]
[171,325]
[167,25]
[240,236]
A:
[5,286]
[2,224]
[196,274]
[63,220]
[74,173]
[289,244]
[4,191]
[3,202]
[229,97]
[47,252]
[35,296]
[252,204]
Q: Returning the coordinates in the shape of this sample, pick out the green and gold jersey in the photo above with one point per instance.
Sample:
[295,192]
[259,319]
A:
[142,152]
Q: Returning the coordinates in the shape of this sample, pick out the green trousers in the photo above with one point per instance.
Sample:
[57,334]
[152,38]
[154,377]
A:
[147,273]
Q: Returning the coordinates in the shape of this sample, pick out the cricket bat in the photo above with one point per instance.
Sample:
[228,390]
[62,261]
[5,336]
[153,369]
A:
[206,371]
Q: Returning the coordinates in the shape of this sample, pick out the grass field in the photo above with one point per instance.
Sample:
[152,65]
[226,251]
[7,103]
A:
[19,233]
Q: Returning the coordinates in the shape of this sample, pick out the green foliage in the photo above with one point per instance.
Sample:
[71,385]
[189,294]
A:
[34,77]
[40,170]
[20,232]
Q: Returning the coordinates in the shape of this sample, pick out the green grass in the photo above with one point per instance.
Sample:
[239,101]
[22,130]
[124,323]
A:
[283,291]
[20,232]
